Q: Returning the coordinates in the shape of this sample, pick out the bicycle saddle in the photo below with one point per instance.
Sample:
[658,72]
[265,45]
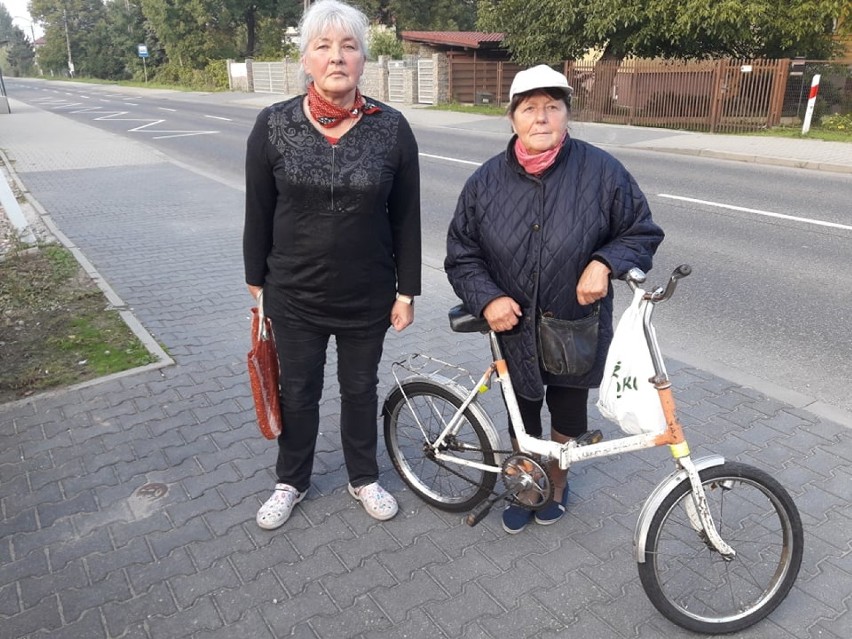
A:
[463,322]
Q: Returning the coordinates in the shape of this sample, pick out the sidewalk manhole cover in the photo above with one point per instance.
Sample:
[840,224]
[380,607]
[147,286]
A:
[152,491]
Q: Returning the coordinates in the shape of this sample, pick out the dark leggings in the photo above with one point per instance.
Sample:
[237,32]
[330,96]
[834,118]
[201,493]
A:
[568,412]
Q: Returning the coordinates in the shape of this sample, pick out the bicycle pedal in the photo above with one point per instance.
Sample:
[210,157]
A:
[589,437]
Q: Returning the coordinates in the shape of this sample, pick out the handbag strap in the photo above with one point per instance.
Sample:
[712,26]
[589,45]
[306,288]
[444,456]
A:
[262,326]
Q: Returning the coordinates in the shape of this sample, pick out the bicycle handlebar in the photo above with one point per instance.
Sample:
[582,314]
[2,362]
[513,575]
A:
[636,276]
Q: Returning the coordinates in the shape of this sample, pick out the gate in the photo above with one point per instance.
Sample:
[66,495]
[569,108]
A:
[269,77]
[426,81]
[396,81]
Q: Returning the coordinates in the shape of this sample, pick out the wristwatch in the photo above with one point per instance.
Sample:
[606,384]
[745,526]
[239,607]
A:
[405,299]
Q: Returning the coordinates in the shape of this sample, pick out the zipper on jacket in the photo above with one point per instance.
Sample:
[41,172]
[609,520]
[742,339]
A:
[333,148]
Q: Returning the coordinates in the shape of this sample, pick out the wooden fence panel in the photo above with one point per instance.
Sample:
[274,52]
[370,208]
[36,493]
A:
[480,82]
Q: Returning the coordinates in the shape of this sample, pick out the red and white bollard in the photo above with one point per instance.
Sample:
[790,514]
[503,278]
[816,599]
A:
[806,126]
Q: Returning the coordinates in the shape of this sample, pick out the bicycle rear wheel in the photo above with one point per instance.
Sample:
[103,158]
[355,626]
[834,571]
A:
[444,484]
[691,584]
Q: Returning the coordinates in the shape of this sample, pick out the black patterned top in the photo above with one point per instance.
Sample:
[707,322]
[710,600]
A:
[332,232]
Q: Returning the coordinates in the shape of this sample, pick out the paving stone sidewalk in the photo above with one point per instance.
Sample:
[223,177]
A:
[127,507]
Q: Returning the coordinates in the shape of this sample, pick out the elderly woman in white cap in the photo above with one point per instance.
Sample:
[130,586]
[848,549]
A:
[538,232]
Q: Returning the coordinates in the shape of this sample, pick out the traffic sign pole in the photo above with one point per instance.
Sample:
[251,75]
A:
[142,51]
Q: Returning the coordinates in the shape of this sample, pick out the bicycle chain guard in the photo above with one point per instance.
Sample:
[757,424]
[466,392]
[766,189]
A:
[528,482]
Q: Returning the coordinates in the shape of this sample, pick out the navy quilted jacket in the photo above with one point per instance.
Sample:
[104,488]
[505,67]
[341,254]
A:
[512,230]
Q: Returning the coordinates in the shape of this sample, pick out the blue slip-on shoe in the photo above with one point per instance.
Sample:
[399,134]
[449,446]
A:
[515,519]
[553,511]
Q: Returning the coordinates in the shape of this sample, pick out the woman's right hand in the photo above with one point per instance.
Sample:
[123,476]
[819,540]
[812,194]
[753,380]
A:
[255,290]
[502,314]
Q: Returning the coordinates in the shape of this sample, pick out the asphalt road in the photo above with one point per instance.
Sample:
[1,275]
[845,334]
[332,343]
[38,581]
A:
[768,304]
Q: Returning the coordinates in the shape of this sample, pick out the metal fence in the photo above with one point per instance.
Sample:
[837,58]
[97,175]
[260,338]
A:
[835,90]
[717,95]
[713,95]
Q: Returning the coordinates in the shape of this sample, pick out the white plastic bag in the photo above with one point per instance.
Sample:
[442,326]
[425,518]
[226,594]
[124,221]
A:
[626,396]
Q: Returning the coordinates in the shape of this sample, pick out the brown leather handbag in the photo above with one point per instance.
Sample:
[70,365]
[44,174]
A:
[263,373]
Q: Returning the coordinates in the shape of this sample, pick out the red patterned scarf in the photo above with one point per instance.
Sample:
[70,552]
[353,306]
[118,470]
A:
[330,115]
[537,163]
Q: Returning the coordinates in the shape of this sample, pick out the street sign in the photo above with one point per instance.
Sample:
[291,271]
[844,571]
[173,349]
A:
[142,50]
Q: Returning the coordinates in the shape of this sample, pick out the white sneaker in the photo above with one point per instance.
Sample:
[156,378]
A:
[378,502]
[278,508]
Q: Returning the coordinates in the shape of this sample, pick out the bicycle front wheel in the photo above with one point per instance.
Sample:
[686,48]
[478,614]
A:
[691,583]
[412,426]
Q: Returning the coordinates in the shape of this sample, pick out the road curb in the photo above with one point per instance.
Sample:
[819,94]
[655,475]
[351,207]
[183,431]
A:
[115,301]
[753,159]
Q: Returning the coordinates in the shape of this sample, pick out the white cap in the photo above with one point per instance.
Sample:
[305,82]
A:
[539,77]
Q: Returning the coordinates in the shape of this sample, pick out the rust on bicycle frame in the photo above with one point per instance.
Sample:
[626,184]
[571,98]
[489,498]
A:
[673,434]
[502,368]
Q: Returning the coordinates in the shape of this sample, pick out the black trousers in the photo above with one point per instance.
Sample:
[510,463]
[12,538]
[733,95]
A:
[568,412]
[302,356]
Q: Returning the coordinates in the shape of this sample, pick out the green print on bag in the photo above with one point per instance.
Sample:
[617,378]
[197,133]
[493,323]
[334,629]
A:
[628,383]
[627,395]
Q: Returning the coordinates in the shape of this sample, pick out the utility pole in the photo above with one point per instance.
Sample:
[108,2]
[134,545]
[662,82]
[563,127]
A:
[68,41]
[31,23]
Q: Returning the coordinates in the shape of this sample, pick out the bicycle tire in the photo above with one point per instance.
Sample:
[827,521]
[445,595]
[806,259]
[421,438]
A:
[450,487]
[691,584]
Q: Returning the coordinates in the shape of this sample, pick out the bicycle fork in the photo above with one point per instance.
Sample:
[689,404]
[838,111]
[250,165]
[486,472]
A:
[699,512]
[696,508]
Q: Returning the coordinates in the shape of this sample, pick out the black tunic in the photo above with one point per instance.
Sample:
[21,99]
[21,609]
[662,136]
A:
[332,231]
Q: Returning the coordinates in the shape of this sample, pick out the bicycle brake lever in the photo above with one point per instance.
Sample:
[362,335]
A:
[635,275]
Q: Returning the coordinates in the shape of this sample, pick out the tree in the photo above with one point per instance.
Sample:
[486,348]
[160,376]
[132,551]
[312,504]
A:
[433,15]
[17,50]
[250,17]
[383,41]
[126,29]
[192,32]
[70,31]
[555,30]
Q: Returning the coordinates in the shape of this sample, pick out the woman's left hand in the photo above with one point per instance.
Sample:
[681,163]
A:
[594,283]
[402,315]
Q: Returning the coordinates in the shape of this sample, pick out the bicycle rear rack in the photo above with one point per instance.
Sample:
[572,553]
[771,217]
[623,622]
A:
[430,367]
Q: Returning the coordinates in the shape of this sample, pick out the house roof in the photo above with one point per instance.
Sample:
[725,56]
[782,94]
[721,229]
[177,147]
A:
[467,39]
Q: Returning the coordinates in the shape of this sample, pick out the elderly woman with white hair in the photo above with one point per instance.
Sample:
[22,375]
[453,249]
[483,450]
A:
[332,239]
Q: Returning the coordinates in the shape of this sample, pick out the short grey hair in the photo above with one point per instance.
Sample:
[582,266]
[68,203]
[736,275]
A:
[331,14]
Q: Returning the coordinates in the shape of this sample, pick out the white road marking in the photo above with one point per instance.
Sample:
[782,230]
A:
[179,134]
[743,209]
[59,103]
[441,157]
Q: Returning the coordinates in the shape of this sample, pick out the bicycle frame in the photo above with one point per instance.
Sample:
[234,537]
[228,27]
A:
[570,452]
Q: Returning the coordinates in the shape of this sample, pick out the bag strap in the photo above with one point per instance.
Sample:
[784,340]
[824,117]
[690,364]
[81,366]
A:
[262,327]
